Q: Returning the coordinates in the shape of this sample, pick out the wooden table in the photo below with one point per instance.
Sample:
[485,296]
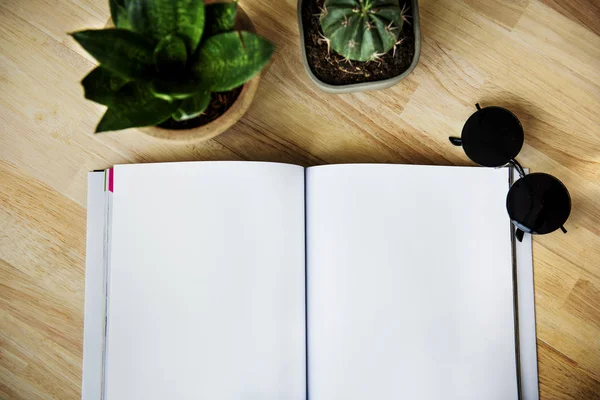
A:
[539,58]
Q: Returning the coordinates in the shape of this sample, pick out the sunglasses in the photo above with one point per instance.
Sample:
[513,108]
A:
[537,203]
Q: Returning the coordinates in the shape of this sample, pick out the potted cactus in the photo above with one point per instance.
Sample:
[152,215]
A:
[356,45]
[189,68]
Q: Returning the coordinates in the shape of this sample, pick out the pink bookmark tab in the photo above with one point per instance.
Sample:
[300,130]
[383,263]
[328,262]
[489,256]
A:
[111,180]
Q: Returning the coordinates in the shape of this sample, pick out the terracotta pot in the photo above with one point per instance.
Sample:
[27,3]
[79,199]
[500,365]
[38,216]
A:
[225,121]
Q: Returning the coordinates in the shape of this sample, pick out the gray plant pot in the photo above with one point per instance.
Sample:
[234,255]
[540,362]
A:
[360,87]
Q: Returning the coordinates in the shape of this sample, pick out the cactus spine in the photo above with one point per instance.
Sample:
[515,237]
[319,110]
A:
[362,30]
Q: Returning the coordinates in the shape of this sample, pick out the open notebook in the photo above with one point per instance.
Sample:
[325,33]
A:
[265,281]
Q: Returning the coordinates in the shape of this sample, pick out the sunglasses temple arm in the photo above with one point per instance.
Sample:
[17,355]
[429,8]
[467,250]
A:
[515,164]
[518,167]
[519,235]
[455,140]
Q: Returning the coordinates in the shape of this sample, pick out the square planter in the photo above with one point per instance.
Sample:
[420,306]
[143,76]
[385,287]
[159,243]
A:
[363,86]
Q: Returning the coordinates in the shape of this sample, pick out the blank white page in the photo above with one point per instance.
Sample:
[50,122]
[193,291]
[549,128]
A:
[206,282]
[409,283]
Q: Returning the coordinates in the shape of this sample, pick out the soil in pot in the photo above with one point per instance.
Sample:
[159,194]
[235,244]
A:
[219,103]
[332,68]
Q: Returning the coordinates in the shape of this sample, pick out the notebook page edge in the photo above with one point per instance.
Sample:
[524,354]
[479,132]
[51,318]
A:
[168,163]
[527,324]
[94,304]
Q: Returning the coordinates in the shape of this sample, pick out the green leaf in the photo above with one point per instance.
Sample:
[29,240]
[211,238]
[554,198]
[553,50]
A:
[159,18]
[118,13]
[193,106]
[228,60]
[135,106]
[125,53]
[220,17]
[175,89]
[101,85]
[170,55]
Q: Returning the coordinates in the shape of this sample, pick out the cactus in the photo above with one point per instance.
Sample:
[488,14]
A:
[362,30]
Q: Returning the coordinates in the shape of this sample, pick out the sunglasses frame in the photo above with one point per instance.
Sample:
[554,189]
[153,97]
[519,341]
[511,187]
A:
[505,146]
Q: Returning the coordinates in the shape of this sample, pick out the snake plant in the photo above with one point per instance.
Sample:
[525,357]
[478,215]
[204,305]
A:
[165,57]
[362,30]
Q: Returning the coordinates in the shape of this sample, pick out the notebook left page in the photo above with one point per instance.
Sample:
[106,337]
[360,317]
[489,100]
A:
[206,282]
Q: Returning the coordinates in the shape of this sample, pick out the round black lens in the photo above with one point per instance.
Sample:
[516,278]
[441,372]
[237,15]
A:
[538,203]
[492,136]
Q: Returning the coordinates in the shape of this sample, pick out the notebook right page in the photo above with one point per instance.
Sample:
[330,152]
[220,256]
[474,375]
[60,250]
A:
[409,283]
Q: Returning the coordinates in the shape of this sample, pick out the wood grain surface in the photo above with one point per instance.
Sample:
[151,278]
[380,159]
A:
[539,58]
